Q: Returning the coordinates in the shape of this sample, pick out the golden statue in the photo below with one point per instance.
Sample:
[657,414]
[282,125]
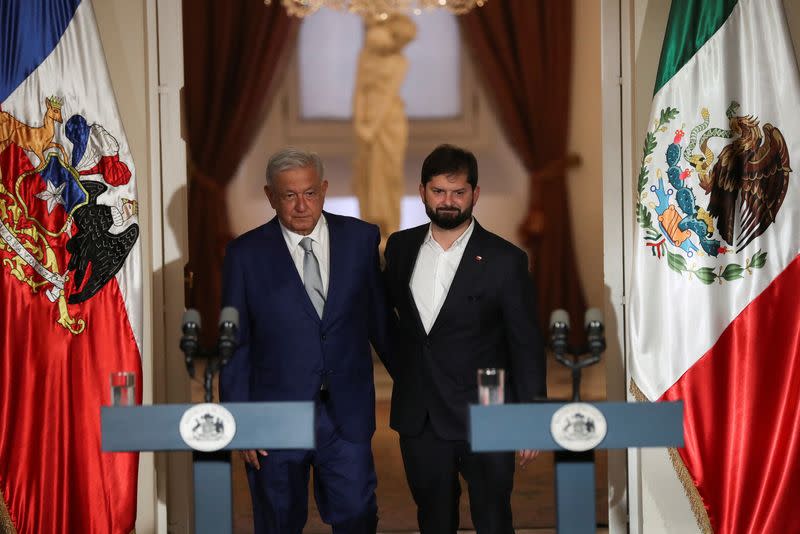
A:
[380,121]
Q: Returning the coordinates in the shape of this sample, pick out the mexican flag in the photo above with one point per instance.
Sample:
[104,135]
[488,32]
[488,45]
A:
[715,298]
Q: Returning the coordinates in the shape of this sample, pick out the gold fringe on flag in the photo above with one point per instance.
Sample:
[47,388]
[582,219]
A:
[695,501]
[6,526]
[636,392]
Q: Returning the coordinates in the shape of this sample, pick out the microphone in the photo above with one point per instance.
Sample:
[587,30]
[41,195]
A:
[595,331]
[228,327]
[190,343]
[559,329]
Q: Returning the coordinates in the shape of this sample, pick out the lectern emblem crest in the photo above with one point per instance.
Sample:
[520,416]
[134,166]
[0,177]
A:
[578,426]
[207,427]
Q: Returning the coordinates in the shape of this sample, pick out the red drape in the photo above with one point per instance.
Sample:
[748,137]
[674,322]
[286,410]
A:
[523,50]
[233,53]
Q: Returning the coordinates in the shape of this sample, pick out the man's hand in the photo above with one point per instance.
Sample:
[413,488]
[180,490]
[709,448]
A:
[526,456]
[250,457]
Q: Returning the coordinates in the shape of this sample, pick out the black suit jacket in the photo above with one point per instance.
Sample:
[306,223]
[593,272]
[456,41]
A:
[488,319]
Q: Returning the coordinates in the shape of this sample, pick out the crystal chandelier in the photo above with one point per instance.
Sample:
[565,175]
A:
[377,8]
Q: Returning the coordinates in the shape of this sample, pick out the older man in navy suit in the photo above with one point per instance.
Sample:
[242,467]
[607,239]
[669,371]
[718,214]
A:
[307,287]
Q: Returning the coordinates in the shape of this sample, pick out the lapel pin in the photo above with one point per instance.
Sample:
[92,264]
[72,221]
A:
[478,258]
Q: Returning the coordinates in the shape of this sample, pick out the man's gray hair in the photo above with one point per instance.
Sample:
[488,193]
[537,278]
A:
[292,158]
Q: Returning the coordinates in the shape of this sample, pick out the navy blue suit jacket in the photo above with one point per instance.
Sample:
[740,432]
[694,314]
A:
[285,351]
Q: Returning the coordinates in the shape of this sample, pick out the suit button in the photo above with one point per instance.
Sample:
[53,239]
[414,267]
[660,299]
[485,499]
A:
[324,337]
[427,344]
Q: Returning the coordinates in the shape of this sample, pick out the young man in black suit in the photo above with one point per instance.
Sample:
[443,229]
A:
[464,301]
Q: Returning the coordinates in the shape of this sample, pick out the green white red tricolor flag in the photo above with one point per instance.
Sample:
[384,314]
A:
[715,297]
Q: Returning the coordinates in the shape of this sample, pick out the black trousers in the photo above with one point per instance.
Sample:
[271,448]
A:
[432,467]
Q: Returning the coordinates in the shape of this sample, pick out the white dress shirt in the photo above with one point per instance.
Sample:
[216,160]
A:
[319,245]
[433,274]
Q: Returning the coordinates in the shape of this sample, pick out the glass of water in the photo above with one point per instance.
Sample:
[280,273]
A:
[123,389]
[491,386]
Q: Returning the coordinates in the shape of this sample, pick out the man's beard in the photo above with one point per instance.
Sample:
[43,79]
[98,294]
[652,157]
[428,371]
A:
[450,218]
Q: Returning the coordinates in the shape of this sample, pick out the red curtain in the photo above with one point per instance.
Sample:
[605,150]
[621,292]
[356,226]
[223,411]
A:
[233,54]
[523,51]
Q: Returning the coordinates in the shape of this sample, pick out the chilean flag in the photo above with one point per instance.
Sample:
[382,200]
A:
[715,304]
[70,274]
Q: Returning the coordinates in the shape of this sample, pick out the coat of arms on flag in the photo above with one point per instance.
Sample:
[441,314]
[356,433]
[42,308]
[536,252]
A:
[53,223]
[705,201]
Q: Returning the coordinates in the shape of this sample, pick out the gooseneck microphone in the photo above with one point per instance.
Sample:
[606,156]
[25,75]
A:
[190,339]
[215,358]
[595,331]
[228,328]
[559,330]
[571,356]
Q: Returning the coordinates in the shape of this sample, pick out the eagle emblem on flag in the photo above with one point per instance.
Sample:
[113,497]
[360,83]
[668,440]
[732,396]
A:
[696,205]
[61,231]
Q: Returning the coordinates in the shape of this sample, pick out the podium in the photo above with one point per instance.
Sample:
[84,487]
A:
[259,425]
[514,427]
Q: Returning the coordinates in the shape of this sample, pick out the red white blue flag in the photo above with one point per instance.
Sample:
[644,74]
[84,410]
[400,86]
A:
[70,275]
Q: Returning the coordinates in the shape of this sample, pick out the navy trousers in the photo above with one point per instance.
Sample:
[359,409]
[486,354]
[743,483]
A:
[344,485]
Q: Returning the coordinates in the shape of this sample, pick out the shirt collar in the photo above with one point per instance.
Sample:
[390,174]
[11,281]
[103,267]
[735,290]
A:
[315,235]
[461,241]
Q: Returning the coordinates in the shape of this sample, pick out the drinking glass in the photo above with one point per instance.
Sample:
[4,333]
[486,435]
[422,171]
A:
[123,388]
[491,386]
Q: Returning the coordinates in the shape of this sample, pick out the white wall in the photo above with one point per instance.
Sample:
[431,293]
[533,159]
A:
[122,26]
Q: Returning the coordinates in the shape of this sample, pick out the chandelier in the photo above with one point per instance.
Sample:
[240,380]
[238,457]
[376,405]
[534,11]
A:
[377,8]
